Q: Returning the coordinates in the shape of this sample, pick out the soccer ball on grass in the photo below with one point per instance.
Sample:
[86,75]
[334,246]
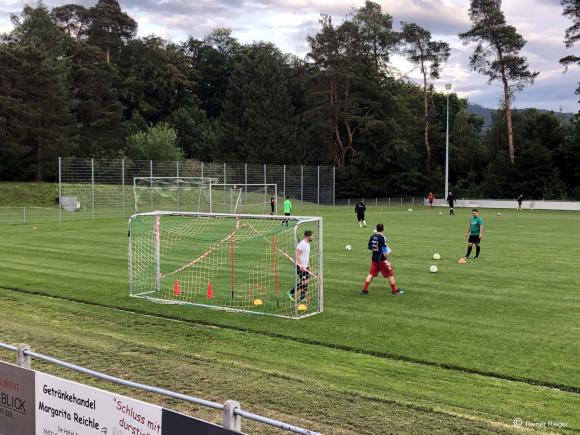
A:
[348,248]
[436,256]
[433,269]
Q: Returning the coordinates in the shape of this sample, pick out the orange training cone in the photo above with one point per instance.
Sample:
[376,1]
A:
[176,289]
[462,260]
[209,290]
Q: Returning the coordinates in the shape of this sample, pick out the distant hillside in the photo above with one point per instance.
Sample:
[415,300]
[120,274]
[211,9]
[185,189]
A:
[486,113]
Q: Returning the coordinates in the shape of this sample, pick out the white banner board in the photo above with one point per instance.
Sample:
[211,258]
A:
[69,408]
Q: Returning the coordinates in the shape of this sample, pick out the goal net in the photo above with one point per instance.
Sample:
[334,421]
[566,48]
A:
[243,198]
[202,194]
[172,193]
[228,262]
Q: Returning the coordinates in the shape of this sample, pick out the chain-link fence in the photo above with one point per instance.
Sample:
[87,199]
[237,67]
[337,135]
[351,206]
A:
[93,188]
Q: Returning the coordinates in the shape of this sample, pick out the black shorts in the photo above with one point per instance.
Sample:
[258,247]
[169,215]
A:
[474,239]
[302,274]
[360,217]
[286,214]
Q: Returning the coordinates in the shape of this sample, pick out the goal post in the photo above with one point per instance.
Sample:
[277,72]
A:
[172,193]
[242,262]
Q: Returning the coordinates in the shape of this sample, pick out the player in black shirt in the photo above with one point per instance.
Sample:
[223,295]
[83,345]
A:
[451,202]
[360,209]
[272,205]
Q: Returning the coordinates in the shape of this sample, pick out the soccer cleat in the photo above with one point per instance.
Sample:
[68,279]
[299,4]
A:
[476,258]
[290,295]
[398,292]
[364,292]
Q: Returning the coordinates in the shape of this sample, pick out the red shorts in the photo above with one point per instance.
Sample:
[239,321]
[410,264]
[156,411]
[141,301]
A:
[380,266]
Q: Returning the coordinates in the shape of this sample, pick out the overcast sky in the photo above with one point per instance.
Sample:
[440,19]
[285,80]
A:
[288,22]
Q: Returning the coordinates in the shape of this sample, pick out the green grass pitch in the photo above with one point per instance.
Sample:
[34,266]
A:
[466,350]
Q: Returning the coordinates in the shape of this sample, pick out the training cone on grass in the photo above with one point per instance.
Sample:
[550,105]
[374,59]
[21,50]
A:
[209,291]
[176,289]
[462,260]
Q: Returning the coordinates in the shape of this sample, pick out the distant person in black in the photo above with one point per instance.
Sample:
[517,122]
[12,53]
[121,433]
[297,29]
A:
[520,199]
[273,205]
[451,202]
[360,209]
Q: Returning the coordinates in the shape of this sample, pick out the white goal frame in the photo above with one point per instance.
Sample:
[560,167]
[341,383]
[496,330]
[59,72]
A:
[204,182]
[244,187]
[154,286]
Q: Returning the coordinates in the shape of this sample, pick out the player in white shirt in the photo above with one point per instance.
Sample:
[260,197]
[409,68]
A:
[302,266]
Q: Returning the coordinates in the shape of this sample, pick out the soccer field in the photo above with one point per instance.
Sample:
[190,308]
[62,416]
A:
[466,350]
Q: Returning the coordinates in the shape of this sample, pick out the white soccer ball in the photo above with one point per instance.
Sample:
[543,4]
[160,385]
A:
[499,214]
[440,212]
[410,209]
[436,256]
[433,269]
[348,248]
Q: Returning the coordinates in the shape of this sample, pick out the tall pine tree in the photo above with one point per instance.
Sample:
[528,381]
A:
[497,55]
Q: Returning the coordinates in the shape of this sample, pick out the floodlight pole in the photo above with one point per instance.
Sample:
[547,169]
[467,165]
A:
[448,89]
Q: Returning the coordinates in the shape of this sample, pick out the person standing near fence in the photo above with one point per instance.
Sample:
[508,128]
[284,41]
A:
[360,209]
[287,209]
[272,205]
[451,202]
[520,199]
[430,198]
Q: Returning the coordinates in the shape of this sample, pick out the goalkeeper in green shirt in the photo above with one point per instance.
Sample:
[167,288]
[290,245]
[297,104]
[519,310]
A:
[287,209]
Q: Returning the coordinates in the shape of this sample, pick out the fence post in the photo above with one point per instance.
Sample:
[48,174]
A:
[318,186]
[177,175]
[389,201]
[93,187]
[202,171]
[413,201]
[265,175]
[23,360]
[302,184]
[401,201]
[232,421]
[151,185]
[377,201]
[333,186]
[59,190]
[123,185]
[284,193]
[246,180]
[24,215]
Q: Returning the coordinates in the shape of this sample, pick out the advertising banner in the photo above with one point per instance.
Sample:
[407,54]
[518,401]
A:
[16,400]
[69,408]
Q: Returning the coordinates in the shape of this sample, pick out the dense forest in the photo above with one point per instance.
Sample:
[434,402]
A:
[77,81]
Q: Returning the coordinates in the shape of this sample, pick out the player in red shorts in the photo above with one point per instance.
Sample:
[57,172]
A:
[380,262]
[430,198]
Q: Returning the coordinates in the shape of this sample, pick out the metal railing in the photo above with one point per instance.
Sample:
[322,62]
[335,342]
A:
[232,412]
